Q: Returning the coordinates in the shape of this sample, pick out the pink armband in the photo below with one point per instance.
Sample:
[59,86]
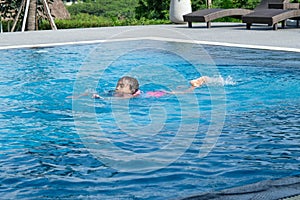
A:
[137,93]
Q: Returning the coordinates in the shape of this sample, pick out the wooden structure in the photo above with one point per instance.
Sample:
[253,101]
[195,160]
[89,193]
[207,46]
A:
[208,15]
[268,11]
[25,5]
[275,14]
[30,11]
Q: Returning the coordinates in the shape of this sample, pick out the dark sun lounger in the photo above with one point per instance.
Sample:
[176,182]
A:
[207,15]
[271,17]
[268,12]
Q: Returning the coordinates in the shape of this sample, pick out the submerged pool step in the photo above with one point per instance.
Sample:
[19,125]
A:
[281,189]
[292,198]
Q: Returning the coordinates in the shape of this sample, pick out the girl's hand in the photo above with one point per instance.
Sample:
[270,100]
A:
[97,96]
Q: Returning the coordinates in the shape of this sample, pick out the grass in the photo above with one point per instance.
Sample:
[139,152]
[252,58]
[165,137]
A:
[88,21]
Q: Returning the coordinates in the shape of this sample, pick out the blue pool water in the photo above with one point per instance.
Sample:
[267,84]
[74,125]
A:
[52,146]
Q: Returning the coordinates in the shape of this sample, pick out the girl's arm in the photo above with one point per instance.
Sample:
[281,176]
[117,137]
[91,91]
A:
[95,96]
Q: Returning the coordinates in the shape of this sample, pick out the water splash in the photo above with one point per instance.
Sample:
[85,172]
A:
[221,81]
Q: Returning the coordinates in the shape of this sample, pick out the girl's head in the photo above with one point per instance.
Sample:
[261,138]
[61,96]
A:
[127,85]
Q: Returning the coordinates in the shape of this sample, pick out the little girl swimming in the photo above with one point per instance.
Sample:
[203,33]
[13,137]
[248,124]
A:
[128,87]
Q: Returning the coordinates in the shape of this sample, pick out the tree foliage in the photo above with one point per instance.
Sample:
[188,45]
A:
[149,9]
[250,4]
[105,8]
[198,4]
[9,8]
[153,9]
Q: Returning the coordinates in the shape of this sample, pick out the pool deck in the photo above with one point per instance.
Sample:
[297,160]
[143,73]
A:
[226,34]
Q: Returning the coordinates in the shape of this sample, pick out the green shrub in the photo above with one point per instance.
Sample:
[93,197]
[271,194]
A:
[88,21]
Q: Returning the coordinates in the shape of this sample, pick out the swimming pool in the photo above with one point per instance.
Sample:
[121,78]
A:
[52,146]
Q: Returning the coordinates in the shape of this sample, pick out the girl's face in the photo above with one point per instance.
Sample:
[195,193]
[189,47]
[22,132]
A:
[124,87]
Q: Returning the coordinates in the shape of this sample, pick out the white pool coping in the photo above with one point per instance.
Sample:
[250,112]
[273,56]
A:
[226,44]
[221,34]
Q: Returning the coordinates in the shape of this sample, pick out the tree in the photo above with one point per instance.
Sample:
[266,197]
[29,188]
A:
[198,4]
[153,9]
[32,18]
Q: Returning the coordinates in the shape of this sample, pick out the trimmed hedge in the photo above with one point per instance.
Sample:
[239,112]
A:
[88,21]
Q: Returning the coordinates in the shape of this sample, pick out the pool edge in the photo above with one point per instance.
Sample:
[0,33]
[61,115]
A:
[163,39]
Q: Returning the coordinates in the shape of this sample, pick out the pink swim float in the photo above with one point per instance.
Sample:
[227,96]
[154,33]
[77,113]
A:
[156,94]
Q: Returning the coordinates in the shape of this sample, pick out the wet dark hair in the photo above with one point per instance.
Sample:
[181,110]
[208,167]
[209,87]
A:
[132,82]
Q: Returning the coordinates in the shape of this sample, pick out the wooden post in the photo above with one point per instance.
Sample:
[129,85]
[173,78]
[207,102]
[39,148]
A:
[248,26]
[283,24]
[1,27]
[18,15]
[208,24]
[49,16]
[25,16]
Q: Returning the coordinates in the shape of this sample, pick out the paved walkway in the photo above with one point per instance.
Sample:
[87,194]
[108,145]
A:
[231,34]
